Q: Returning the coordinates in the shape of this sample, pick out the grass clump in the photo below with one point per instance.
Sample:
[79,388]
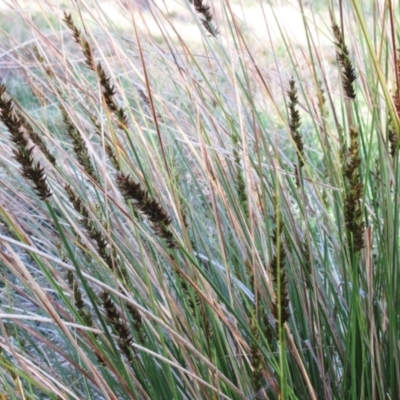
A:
[201,219]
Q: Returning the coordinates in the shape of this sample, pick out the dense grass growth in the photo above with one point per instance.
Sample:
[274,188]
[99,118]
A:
[200,220]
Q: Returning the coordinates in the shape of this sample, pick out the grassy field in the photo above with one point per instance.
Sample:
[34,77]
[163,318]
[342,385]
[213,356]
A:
[199,202]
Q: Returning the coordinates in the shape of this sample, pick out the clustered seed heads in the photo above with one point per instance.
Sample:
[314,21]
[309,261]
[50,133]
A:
[294,121]
[79,146]
[41,60]
[354,191]
[37,140]
[114,317]
[78,300]
[306,263]
[109,92]
[348,72]
[280,307]
[137,323]
[148,206]
[94,233]
[108,147]
[240,181]
[256,356]
[107,88]
[294,125]
[206,17]
[393,134]
[30,169]
[393,140]
[86,48]
[195,304]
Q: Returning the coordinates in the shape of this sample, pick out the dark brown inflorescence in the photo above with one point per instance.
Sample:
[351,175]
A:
[150,207]
[294,125]
[206,17]
[108,89]
[79,146]
[354,192]
[78,300]
[94,233]
[348,72]
[30,169]
[280,306]
[125,339]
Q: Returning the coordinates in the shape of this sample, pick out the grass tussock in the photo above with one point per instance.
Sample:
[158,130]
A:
[209,219]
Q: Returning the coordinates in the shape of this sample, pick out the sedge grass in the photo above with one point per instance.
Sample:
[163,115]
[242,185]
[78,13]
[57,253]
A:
[209,218]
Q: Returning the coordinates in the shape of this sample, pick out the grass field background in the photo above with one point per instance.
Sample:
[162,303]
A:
[199,201]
